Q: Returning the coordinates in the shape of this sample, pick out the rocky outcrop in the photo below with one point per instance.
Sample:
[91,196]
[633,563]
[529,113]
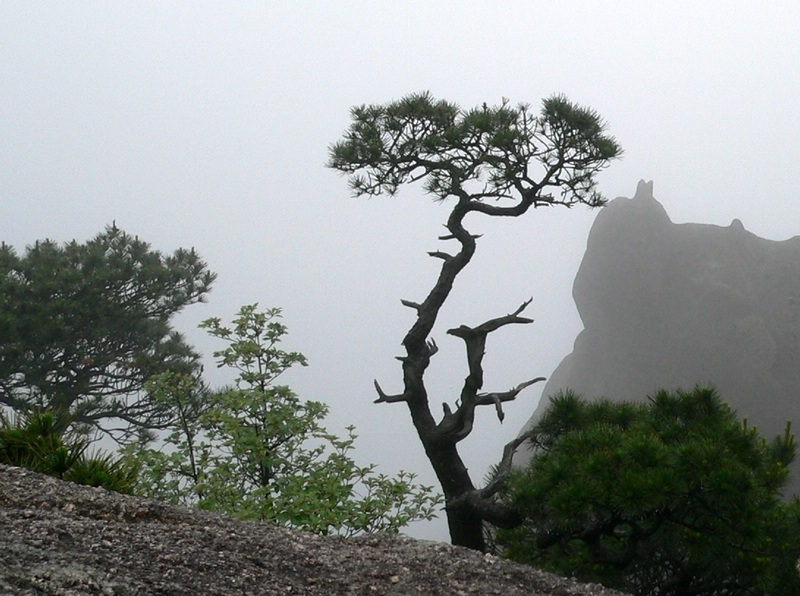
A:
[670,306]
[62,538]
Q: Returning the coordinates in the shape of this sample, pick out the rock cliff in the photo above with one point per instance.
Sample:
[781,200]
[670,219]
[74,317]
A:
[670,306]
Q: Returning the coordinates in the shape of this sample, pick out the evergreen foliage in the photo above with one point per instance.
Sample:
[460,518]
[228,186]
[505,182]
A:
[84,326]
[673,496]
[506,150]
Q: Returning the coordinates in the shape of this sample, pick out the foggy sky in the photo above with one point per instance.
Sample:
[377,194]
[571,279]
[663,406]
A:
[206,125]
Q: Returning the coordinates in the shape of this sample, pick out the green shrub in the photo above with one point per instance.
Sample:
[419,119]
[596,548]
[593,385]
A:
[41,441]
[674,496]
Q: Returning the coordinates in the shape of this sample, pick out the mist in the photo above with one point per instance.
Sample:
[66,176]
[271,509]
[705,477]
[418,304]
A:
[208,125]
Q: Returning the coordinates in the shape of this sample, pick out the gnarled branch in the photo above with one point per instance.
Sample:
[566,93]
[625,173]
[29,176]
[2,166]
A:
[454,237]
[503,469]
[457,425]
[475,339]
[484,399]
[484,329]
[386,398]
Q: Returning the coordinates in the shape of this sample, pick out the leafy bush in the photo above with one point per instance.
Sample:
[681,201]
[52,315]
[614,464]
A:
[257,451]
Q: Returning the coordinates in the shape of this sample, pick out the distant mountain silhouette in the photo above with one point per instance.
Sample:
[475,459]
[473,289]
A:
[670,306]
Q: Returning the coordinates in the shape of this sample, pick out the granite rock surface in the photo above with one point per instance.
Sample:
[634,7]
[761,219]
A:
[61,538]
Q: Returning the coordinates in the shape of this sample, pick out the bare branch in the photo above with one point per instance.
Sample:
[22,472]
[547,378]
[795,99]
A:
[513,318]
[440,255]
[457,425]
[483,329]
[504,467]
[499,408]
[385,398]
[523,306]
[453,237]
[485,399]
[410,304]
[475,340]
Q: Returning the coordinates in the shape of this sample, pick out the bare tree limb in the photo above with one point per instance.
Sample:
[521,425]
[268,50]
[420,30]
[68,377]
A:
[454,237]
[386,398]
[465,332]
[410,304]
[457,425]
[503,469]
[484,399]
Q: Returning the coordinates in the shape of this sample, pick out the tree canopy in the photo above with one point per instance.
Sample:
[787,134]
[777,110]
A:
[486,153]
[85,325]
[499,161]
[673,496]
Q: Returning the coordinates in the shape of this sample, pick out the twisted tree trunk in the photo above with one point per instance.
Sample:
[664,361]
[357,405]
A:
[467,507]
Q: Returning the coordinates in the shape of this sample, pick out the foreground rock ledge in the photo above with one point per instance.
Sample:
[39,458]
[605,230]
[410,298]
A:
[61,538]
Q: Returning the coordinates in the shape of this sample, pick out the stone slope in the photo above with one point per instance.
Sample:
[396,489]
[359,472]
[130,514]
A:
[61,538]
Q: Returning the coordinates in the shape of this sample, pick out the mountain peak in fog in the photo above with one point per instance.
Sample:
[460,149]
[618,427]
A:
[668,306]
